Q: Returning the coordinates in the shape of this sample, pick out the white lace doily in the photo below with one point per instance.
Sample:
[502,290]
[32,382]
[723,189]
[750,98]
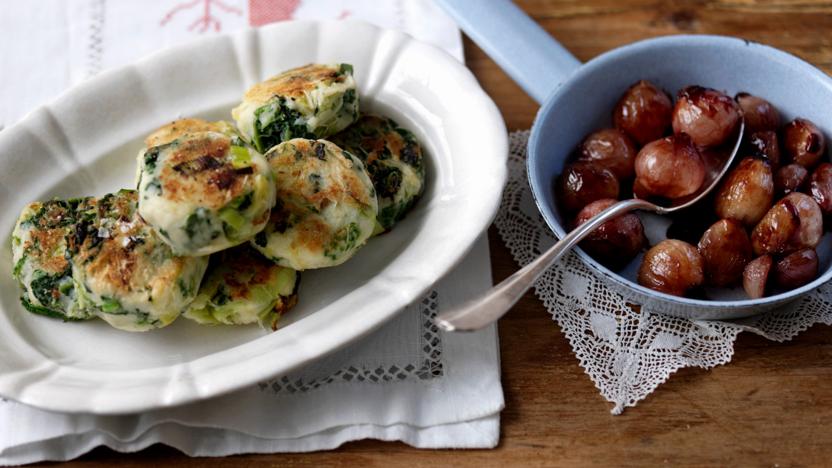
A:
[628,353]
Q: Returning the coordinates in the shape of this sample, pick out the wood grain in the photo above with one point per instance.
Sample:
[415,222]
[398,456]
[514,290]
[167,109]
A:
[769,407]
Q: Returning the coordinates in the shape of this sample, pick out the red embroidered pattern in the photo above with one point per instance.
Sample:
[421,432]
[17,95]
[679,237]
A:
[207,20]
[262,12]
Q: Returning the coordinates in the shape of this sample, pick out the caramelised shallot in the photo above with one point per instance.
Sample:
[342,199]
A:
[803,142]
[616,242]
[671,167]
[611,149]
[746,193]
[755,276]
[758,113]
[581,183]
[764,144]
[796,269]
[706,115]
[673,267]
[820,186]
[726,249]
[790,178]
[643,112]
[793,223]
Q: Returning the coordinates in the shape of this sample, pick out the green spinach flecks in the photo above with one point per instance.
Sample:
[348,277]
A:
[18,267]
[184,289]
[345,69]
[36,309]
[320,151]
[47,288]
[343,241]
[275,122]
[243,202]
[349,97]
[151,157]
[220,297]
[198,227]
[317,181]
[261,239]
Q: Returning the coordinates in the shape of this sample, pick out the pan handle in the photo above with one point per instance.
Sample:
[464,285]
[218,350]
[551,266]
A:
[533,58]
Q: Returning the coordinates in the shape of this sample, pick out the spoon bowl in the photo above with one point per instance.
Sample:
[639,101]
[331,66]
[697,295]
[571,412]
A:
[577,99]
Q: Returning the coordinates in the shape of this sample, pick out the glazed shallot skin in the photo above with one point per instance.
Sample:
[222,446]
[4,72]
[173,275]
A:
[673,267]
[804,143]
[670,167]
[820,187]
[791,271]
[612,149]
[765,144]
[746,193]
[616,242]
[706,115]
[758,113]
[643,112]
[581,183]
[793,223]
[796,269]
[755,276]
[725,249]
[790,178]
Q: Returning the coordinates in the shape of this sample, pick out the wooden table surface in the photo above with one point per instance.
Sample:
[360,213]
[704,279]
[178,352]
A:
[772,405]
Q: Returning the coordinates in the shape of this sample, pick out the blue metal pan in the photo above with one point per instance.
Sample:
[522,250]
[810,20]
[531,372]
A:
[577,99]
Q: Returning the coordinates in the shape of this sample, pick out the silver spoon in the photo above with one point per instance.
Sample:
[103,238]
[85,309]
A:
[495,302]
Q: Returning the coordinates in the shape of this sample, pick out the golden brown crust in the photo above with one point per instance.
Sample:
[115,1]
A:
[285,303]
[170,132]
[114,265]
[326,205]
[126,270]
[301,183]
[375,143]
[256,269]
[47,242]
[313,234]
[200,166]
[293,83]
[119,255]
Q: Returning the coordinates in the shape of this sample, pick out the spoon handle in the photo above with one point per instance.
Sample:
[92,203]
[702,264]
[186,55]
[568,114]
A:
[495,302]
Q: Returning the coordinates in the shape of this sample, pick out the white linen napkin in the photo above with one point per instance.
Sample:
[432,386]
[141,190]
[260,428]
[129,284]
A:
[49,45]
[405,382]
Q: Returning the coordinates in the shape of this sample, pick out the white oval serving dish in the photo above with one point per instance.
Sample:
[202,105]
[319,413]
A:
[85,142]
